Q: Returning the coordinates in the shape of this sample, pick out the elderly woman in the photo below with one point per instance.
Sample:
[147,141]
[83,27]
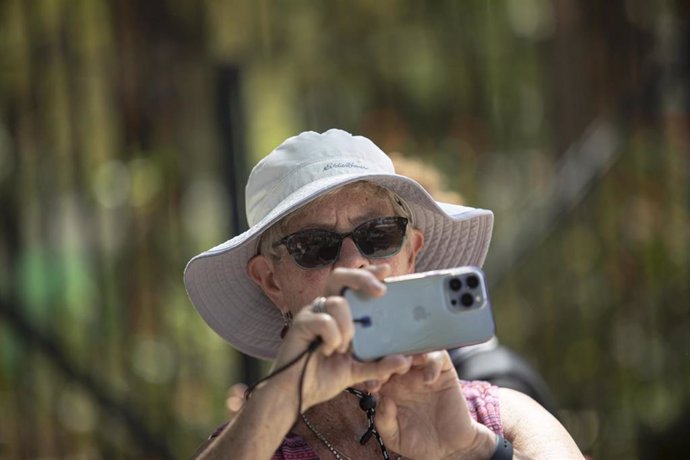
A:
[327,212]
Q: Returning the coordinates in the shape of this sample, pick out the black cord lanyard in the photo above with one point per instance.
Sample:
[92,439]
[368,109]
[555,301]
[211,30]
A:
[367,403]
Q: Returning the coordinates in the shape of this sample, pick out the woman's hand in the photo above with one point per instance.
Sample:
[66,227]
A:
[332,367]
[423,413]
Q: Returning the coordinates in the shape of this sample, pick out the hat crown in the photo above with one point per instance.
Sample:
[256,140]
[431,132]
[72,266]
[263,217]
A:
[306,158]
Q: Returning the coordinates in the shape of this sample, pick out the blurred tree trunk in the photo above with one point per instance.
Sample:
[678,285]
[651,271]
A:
[600,62]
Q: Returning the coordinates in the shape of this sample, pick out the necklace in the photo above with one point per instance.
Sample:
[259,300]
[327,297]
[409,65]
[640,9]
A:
[336,453]
[367,403]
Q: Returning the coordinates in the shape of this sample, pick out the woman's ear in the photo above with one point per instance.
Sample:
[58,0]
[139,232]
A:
[416,244]
[260,269]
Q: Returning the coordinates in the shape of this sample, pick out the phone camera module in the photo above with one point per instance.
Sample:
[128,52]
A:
[455,284]
[467,300]
[472,281]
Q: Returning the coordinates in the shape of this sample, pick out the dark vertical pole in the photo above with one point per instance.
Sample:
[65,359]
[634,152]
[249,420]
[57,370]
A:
[230,116]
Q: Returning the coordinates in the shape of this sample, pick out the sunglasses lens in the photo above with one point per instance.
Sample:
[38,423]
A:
[377,238]
[380,238]
[313,248]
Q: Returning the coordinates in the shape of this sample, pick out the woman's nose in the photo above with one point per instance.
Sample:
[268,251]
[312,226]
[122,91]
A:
[350,257]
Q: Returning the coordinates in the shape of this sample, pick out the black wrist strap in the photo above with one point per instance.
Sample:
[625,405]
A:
[504,449]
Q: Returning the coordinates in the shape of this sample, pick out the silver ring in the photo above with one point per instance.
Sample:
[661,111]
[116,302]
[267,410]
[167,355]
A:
[319,305]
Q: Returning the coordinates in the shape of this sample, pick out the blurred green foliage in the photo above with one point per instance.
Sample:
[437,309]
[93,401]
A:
[111,178]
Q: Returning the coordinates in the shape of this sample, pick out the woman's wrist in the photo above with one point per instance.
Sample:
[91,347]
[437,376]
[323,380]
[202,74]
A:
[258,428]
[283,387]
[482,446]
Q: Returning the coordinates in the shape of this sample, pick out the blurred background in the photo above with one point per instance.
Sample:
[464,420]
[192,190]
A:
[127,130]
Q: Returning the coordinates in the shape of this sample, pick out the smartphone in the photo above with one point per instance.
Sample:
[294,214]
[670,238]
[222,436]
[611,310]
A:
[422,312]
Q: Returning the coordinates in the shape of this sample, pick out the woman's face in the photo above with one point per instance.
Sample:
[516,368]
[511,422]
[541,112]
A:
[339,212]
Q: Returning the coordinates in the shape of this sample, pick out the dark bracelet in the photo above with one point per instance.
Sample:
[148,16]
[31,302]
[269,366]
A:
[504,449]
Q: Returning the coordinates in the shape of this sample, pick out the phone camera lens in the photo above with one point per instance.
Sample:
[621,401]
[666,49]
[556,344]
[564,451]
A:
[467,300]
[455,284]
[472,281]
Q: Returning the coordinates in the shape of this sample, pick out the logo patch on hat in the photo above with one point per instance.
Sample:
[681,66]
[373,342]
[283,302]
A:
[347,164]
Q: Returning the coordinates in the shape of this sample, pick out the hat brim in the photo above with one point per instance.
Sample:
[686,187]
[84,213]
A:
[237,309]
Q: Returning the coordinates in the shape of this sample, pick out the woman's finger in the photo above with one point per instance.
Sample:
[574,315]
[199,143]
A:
[235,399]
[380,371]
[367,280]
[432,364]
[387,421]
[380,271]
[308,325]
[338,308]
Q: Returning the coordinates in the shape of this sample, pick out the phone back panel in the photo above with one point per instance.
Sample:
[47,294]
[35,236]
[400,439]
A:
[422,312]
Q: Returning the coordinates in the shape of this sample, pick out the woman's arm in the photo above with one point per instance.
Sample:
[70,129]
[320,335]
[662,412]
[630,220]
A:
[534,432]
[259,427]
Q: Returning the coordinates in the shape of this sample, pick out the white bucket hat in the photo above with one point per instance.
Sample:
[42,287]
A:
[299,170]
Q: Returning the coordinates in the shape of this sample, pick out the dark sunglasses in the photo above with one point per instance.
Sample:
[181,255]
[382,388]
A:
[376,239]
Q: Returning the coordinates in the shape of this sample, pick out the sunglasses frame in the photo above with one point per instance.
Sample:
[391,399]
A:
[399,220]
